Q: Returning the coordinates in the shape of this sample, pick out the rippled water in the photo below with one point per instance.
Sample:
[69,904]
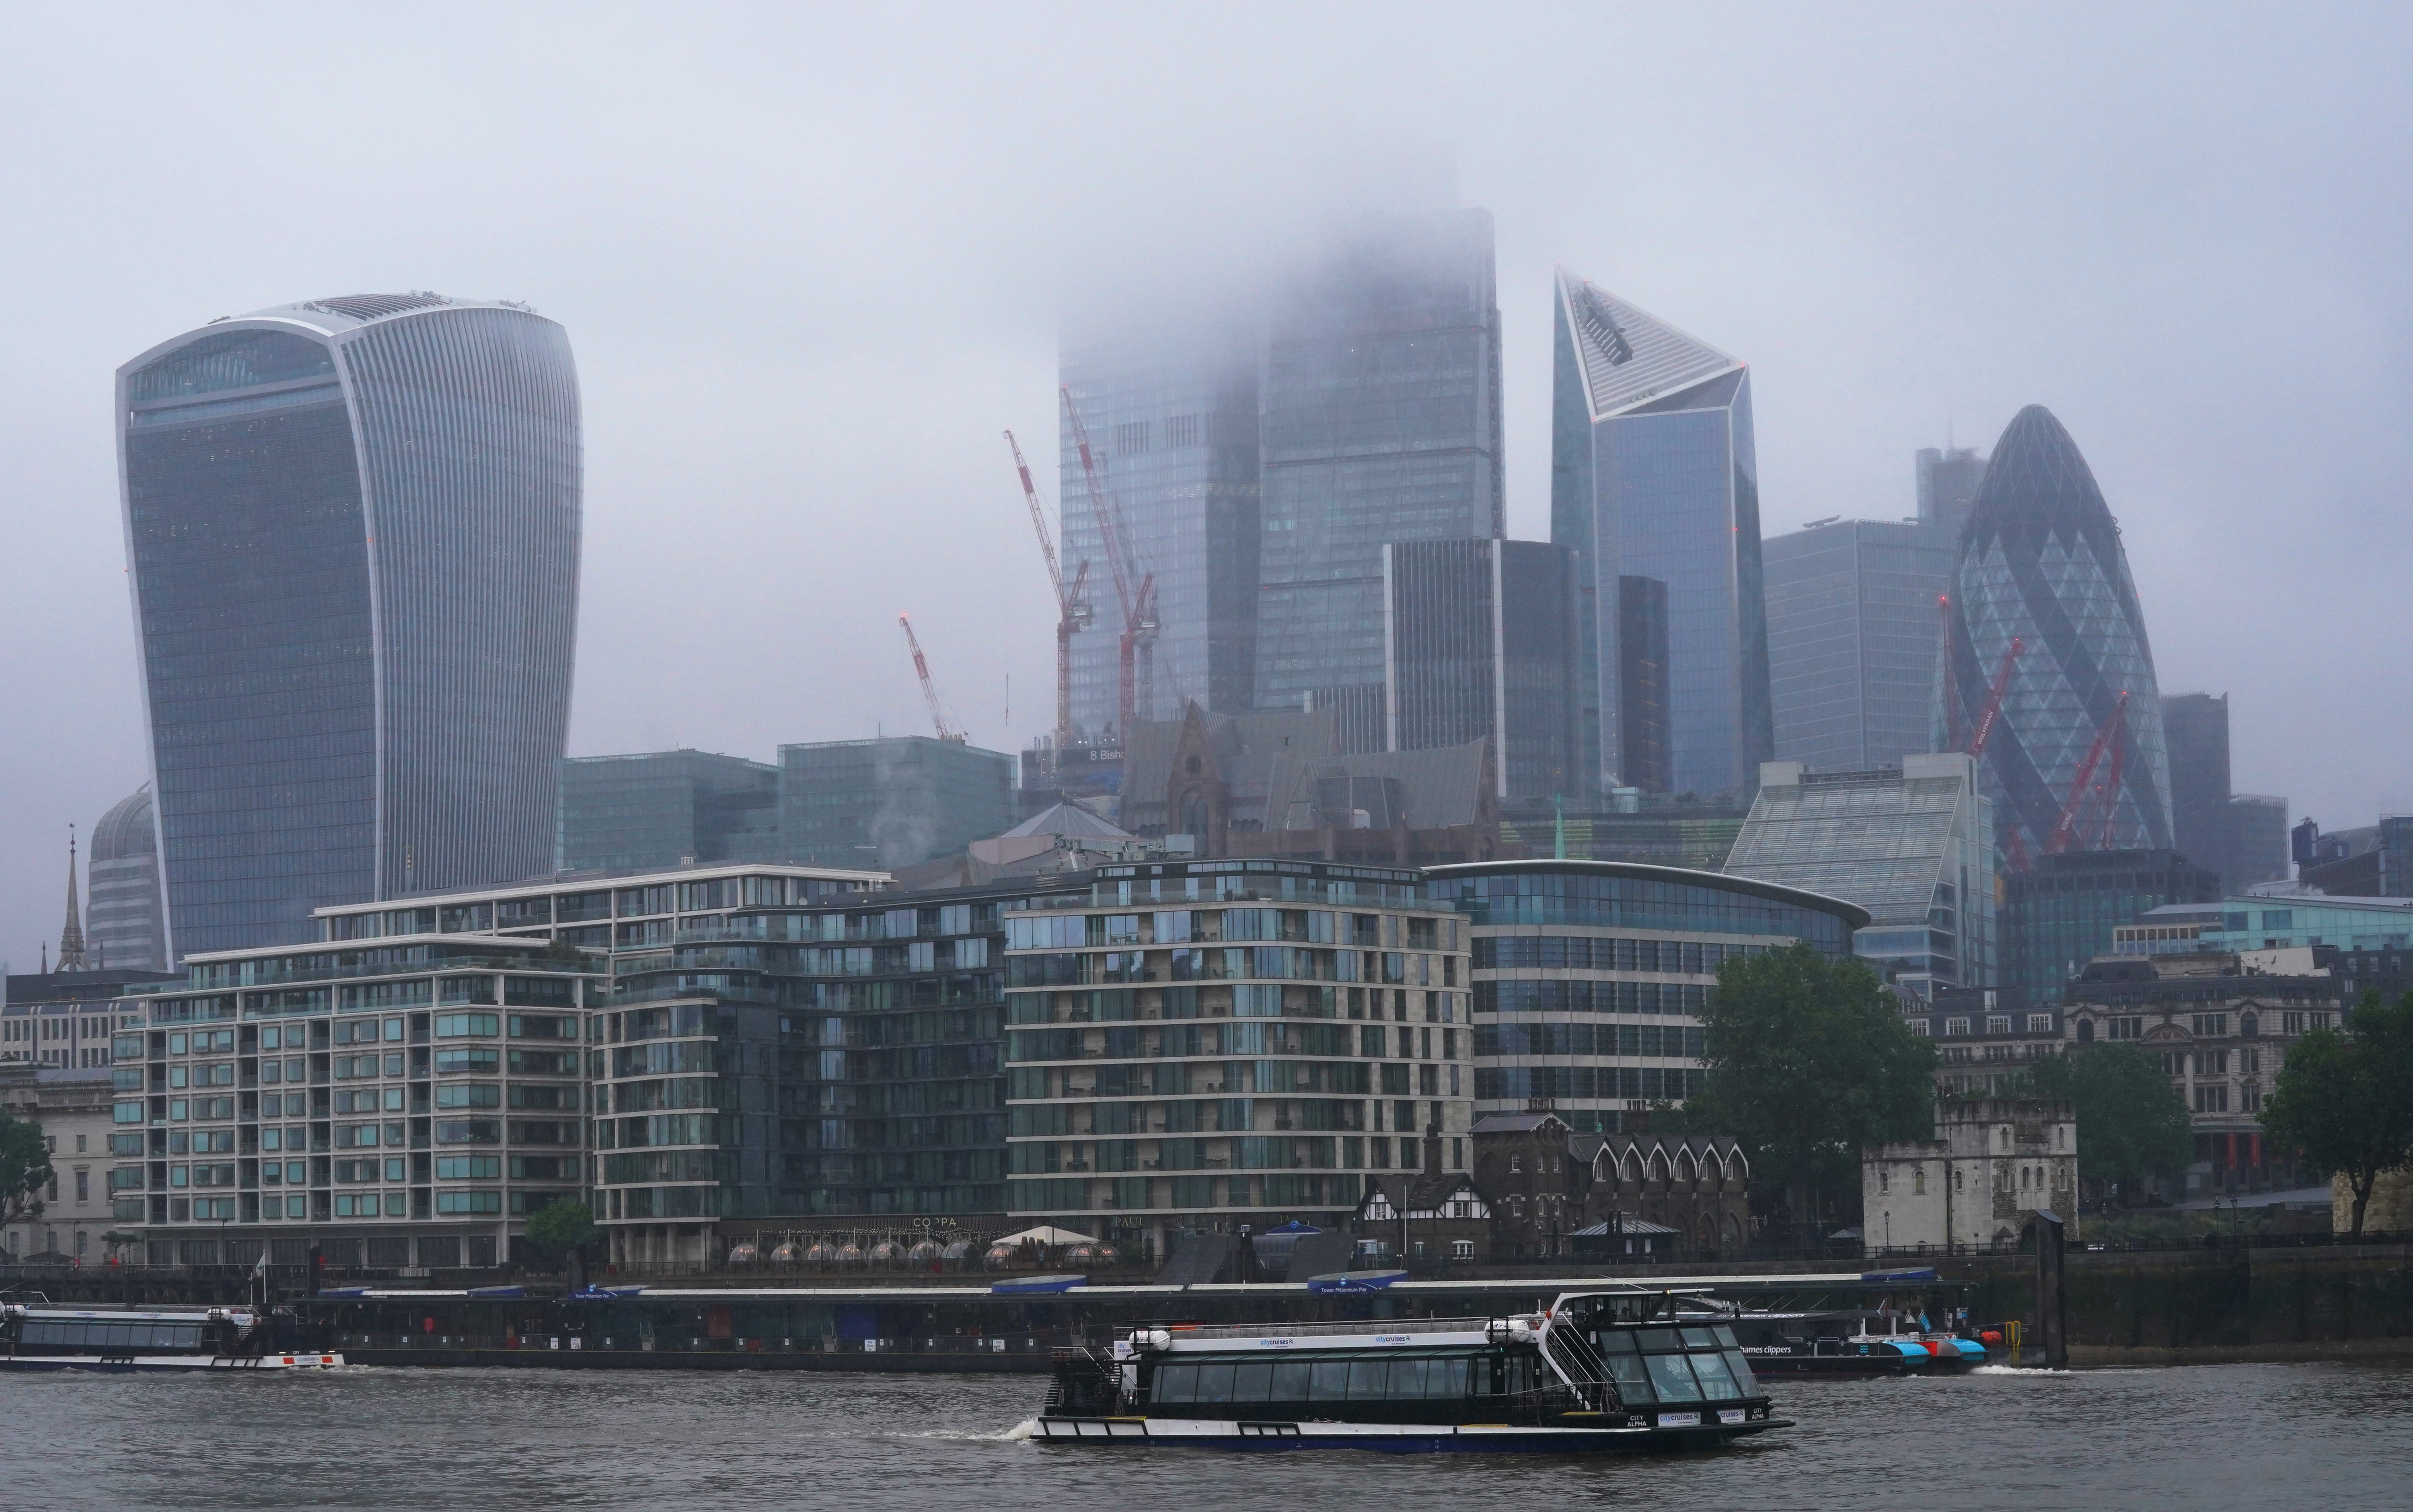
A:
[2264,1436]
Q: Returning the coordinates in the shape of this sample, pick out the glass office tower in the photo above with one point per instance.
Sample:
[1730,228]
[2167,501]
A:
[1653,477]
[1478,642]
[2042,562]
[122,912]
[1379,421]
[662,807]
[1852,636]
[1172,417]
[352,532]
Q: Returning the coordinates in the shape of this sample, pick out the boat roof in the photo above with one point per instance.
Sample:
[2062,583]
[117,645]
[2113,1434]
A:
[123,1316]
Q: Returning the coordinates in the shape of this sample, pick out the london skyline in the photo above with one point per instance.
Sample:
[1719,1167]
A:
[1889,288]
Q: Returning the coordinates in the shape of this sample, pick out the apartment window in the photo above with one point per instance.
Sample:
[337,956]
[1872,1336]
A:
[1955,1025]
[2212,1026]
[2039,1023]
[1999,1024]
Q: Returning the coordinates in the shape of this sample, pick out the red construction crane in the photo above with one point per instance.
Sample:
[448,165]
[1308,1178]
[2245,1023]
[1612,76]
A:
[1994,709]
[1072,606]
[929,689]
[1138,601]
[2107,738]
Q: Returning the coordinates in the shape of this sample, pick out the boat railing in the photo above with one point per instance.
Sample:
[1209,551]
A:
[1579,1366]
[1306,1330]
[1085,1384]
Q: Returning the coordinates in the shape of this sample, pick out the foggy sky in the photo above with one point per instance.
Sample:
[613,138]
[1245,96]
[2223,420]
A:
[811,261]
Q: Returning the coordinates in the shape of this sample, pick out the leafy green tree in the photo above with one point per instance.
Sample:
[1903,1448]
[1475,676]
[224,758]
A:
[24,1168]
[2132,1123]
[561,1226]
[1807,1060]
[2343,1100]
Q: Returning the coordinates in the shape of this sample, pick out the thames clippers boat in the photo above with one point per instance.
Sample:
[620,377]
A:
[218,1339]
[1851,1344]
[1596,1372]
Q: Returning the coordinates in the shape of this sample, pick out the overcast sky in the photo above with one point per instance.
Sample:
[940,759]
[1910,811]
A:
[813,260]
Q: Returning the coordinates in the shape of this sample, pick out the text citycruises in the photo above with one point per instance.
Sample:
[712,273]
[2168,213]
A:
[1600,1371]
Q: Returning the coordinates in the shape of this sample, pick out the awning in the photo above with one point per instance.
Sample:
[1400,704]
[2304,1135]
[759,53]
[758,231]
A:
[1027,1285]
[1340,1282]
[1631,1228]
[1044,1234]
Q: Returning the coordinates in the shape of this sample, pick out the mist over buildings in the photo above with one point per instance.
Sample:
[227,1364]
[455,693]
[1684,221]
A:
[811,265]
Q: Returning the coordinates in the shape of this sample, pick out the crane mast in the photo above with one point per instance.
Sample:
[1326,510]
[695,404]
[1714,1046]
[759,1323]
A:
[1072,608]
[929,689]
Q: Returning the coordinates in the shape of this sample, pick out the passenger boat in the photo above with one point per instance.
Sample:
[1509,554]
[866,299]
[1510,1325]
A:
[1851,1342]
[215,1339]
[1598,1371]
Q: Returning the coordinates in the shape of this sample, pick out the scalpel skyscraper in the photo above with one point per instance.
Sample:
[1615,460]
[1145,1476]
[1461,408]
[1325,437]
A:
[352,531]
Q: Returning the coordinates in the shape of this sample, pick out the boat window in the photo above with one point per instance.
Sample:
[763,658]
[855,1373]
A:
[1254,1381]
[1660,1339]
[1700,1339]
[1330,1382]
[1214,1381]
[1175,1383]
[1365,1379]
[1716,1385]
[1614,1340]
[1746,1383]
[1290,1381]
[1407,1380]
[1672,1378]
[1725,1336]
[1632,1380]
[1446,1378]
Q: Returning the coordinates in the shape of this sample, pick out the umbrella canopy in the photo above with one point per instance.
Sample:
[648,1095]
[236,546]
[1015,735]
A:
[1044,1234]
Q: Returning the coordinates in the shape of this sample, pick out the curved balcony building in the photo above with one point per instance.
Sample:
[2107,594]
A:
[2042,562]
[352,532]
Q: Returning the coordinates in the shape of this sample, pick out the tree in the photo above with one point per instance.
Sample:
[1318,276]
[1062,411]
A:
[562,1229]
[2132,1123]
[2343,1100]
[24,1168]
[1809,1060]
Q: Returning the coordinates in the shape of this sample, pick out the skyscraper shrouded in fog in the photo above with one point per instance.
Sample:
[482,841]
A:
[1851,637]
[1379,421]
[1949,480]
[1171,409]
[1653,477]
[2042,562]
[352,531]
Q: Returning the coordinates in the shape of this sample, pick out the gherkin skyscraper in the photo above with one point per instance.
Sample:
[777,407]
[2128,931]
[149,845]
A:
[2042,562]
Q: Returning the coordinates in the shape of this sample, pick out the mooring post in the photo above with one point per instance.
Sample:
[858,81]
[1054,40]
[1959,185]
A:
[2053,1308]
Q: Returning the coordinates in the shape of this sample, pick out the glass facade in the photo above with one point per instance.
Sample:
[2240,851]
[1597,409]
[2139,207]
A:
[1852,636]
[1654,476]
[1589,977]
[1478,643]
[1379,421]
[882,804]
[1172,417]
[1913,846]
[352,529]
[622,812]
[1210,1043]
[123,914]
[2042,562]
[2064,912]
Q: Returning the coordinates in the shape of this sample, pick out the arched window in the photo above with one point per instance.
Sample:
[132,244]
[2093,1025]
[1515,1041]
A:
[1918,1180]
[2086,1032]
[2249,1025]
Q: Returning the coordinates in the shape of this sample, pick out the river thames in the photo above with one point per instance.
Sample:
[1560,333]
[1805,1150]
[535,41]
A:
[2215,1436]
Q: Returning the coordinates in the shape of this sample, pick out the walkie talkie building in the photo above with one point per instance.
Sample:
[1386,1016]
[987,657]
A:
[2042,562]
[352,531]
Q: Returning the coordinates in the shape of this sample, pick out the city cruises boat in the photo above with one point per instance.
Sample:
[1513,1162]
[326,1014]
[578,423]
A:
[1850,1343]
[1598,1371]
[214,1338]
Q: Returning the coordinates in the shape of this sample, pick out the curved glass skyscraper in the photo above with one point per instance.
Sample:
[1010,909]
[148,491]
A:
[352,529]
[2042,562]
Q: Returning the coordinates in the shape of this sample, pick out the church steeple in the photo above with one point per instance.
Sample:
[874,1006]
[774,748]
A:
[71,935]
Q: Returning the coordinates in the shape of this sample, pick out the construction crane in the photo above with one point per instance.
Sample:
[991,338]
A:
[929,689]
[1994,709]
[1072,603]
[1137,599]
[2110,738]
